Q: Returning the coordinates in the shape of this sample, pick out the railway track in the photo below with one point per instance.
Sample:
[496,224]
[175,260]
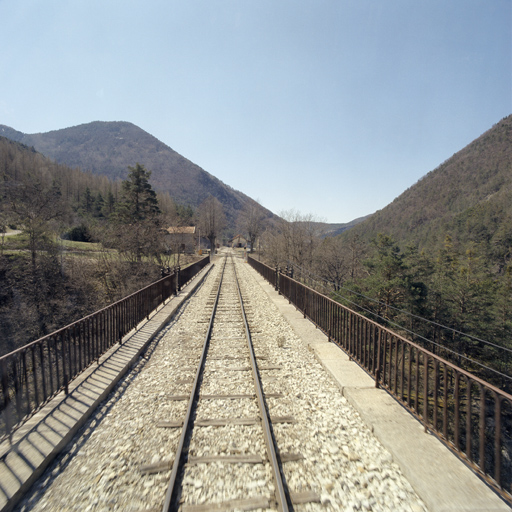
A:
[237,445]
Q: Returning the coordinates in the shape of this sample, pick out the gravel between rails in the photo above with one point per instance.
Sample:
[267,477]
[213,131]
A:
[343,462]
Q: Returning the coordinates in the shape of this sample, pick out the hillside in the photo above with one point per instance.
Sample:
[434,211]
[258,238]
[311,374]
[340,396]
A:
[336,229]
[108,148]
[469,196]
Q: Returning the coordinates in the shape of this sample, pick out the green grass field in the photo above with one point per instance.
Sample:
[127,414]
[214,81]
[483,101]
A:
[18,244]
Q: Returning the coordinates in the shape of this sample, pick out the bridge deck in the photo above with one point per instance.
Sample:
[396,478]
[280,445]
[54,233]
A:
[442,481]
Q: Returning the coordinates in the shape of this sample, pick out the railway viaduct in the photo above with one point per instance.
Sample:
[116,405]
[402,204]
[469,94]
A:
[344,443]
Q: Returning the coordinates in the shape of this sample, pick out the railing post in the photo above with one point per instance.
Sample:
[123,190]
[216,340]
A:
[7,400]
[65,373]
[481,428]
[377,370]
[497,438]
[97,339]
[17,389]
[425,391]
[469,409]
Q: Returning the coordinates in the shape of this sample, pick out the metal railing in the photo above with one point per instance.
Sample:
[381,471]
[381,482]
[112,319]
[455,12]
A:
[469,415]
[33,374]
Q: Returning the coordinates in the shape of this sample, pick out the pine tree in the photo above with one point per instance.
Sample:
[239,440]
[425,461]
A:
[99,204]
[139,200]
[88,200]
[138,218]
[110,204]
[387,280]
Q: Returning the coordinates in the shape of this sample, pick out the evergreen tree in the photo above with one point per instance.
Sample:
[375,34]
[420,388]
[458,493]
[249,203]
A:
[419,273]
[99,204]
[388,280]
[138,221]
[185,213]
[139,200]
[88,200]
[503,308]
[109,204]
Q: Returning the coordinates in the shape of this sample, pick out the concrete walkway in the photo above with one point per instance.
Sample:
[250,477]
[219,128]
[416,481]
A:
[442,481]
[39,441]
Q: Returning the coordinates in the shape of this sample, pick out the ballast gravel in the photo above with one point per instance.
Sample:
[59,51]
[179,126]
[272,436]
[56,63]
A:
[340,461]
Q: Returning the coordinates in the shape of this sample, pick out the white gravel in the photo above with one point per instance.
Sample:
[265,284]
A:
[342,461]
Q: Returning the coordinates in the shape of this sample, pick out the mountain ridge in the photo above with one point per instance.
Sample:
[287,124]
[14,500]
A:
[109,147]
[478,177]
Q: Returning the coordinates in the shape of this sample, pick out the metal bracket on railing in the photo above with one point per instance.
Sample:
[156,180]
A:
[165,271]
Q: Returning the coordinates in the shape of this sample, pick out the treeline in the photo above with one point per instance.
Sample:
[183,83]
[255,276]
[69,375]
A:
[47,283]
[451,298]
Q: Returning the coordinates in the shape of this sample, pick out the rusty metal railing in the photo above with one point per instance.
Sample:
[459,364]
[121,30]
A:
[469,415]
[33,374]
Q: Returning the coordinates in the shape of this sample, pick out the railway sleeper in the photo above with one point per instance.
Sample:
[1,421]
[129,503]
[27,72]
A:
[264,502]
[222,422]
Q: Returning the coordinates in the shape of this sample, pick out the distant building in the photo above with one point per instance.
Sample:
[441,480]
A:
[182,239]
[238,241]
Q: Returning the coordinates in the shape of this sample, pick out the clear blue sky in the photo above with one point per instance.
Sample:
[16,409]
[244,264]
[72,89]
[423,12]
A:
[329,107]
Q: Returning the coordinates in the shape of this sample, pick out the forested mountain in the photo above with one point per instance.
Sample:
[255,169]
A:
[435,264]
[469,197]
[337,229]
[443,252]
[108,148]
[48,278]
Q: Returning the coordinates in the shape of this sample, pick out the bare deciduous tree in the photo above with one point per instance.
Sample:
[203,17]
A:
[331,261]
[252,221]
[292,240]
[300,235]
[35,204]
[211,219]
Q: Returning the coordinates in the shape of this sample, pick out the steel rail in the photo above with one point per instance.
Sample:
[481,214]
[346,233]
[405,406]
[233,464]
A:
[281,494]
[171,501]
